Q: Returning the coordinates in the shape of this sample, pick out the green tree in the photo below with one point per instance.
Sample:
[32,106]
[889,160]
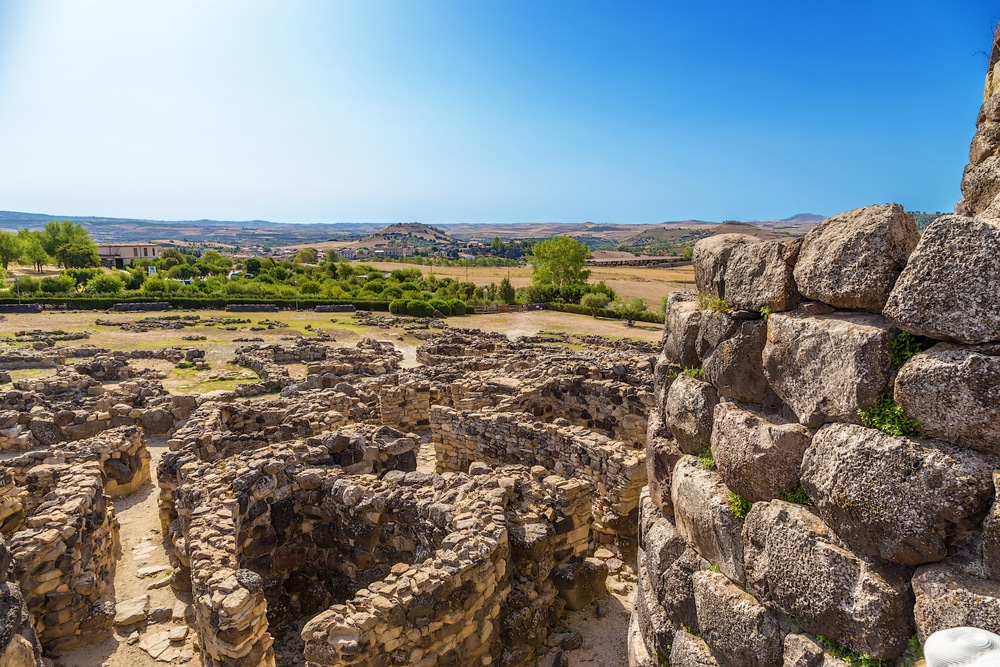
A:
[106,283]
[687,253]
[11,248]
[33,251]
[307,256]
[252,265]
[506,291]
[78,255]
[628,309]
[559,261]
[59,233]
[595,301]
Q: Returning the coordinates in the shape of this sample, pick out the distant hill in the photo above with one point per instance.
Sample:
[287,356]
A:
[412,233]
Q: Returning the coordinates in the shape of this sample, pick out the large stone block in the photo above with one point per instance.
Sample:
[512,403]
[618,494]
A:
[896,498]
[981,183]
[655,626]
[703,517]
[954,392]
[797,565]
[801,651]
[662,454]
[735,366]
[759,275]
[827,367]
[948,598]
[711,256]
[691,651]
[688,412]
[758,456]
[740,631]
[852,260]
[671,563]
[950,289]
[680,328]
[990,544]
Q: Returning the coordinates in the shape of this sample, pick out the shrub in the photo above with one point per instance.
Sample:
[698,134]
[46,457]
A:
[440,305]
[696,373]
[419,308]
[738,505]
[891,419]
[706,459]
[390,293]
[905,345]
[711,302]
[796,495]
[457,307]
[26,284]
[81,276]
[398,306]
[57,284]
[310,287]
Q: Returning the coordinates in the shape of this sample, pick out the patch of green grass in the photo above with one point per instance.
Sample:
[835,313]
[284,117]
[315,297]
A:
[905,345]
[850,657]
[706,460]
[711,302]
[696,373]
[796,495]
[915,651]
[738,505]
[891,419]
[714,568]
[765,313]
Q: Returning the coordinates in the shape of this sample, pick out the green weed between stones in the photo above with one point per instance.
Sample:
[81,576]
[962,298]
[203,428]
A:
[713,303]
[905,345]
[850,657]
[706,460]
[765,313]
[738,505]
[796,495]
[696,373]
[891,419]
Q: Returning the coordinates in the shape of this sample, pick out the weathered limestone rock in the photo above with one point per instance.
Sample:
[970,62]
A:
[954,392]
[896,498]
[581,583]
[739,630]
[704,519]
[711,257]
[990,548]
[981,182]
[827,367]
[756,457]
[735,366]
[759,275]
[655,629]
[691,651]
[852,260]
[950,289]
[796,565]
[948,598]
[681,328]
[662,454]
[801,651]
[132,611]
[688,410]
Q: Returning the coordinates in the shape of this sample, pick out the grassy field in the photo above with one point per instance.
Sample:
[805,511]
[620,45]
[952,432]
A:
[649,284]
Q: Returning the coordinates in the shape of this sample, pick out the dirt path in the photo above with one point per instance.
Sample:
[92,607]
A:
[143,553]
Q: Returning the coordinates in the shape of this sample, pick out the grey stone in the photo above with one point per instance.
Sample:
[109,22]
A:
[896,498]
[670,563]
[735,367]
[739,630]
[662,454]
[711,256]
[852,260]
[45,431]
[985,143]
[656,627]
[954,392]
[581,583]
[758,275]
[981,183]
[825,368]
[704,520]
[757,456]
[691,651]
[948,598]
[157,421]
[117,470]
[950,289]
[131,611]
[796,565]
[801,651]
[681,328]
[990,547]
[687,411]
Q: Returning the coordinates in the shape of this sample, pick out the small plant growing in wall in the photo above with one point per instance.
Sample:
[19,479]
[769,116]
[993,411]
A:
[891,419]
[738,505]
[850,657]
[696,373]
[796,495]
[712,303]
[706,460]
[905,345]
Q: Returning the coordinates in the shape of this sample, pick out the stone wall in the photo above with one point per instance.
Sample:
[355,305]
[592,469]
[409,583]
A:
[19,646]
[773,515]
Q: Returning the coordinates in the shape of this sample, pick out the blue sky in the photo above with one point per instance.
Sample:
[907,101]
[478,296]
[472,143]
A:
[485,110]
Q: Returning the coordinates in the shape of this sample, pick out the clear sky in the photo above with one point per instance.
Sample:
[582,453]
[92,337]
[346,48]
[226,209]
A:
[486,110]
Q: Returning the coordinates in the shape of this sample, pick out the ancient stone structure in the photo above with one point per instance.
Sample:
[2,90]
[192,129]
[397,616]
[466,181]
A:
[773,516]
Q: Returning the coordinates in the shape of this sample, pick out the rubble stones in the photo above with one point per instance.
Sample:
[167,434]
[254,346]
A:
[960,304]
[852,260]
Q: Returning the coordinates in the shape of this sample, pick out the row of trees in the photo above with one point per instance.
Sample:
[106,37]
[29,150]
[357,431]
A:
[64,243]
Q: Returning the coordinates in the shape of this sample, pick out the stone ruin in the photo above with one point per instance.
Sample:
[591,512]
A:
[779,530]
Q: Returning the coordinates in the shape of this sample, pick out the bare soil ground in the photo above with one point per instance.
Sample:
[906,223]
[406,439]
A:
[603,625]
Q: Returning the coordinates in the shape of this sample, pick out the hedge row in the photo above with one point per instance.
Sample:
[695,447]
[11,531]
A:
[646,316]
[202,303]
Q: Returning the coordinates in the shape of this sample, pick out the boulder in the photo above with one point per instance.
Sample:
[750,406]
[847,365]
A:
[948,598]
[711,256]
[990,546]
[703,517]
[981,183]
[670,563]
[735,366]
[655,626]
[680,328]
[690,651]
[157,421]
[758,275]
[580,583]
[896,498]
[797,566]
[687,412]
[954,392]
[827,367]
[757,456]
[852,260]
[739,630]
[662,454]
[950,289]
[985,143]
[46,431]
[801,651]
